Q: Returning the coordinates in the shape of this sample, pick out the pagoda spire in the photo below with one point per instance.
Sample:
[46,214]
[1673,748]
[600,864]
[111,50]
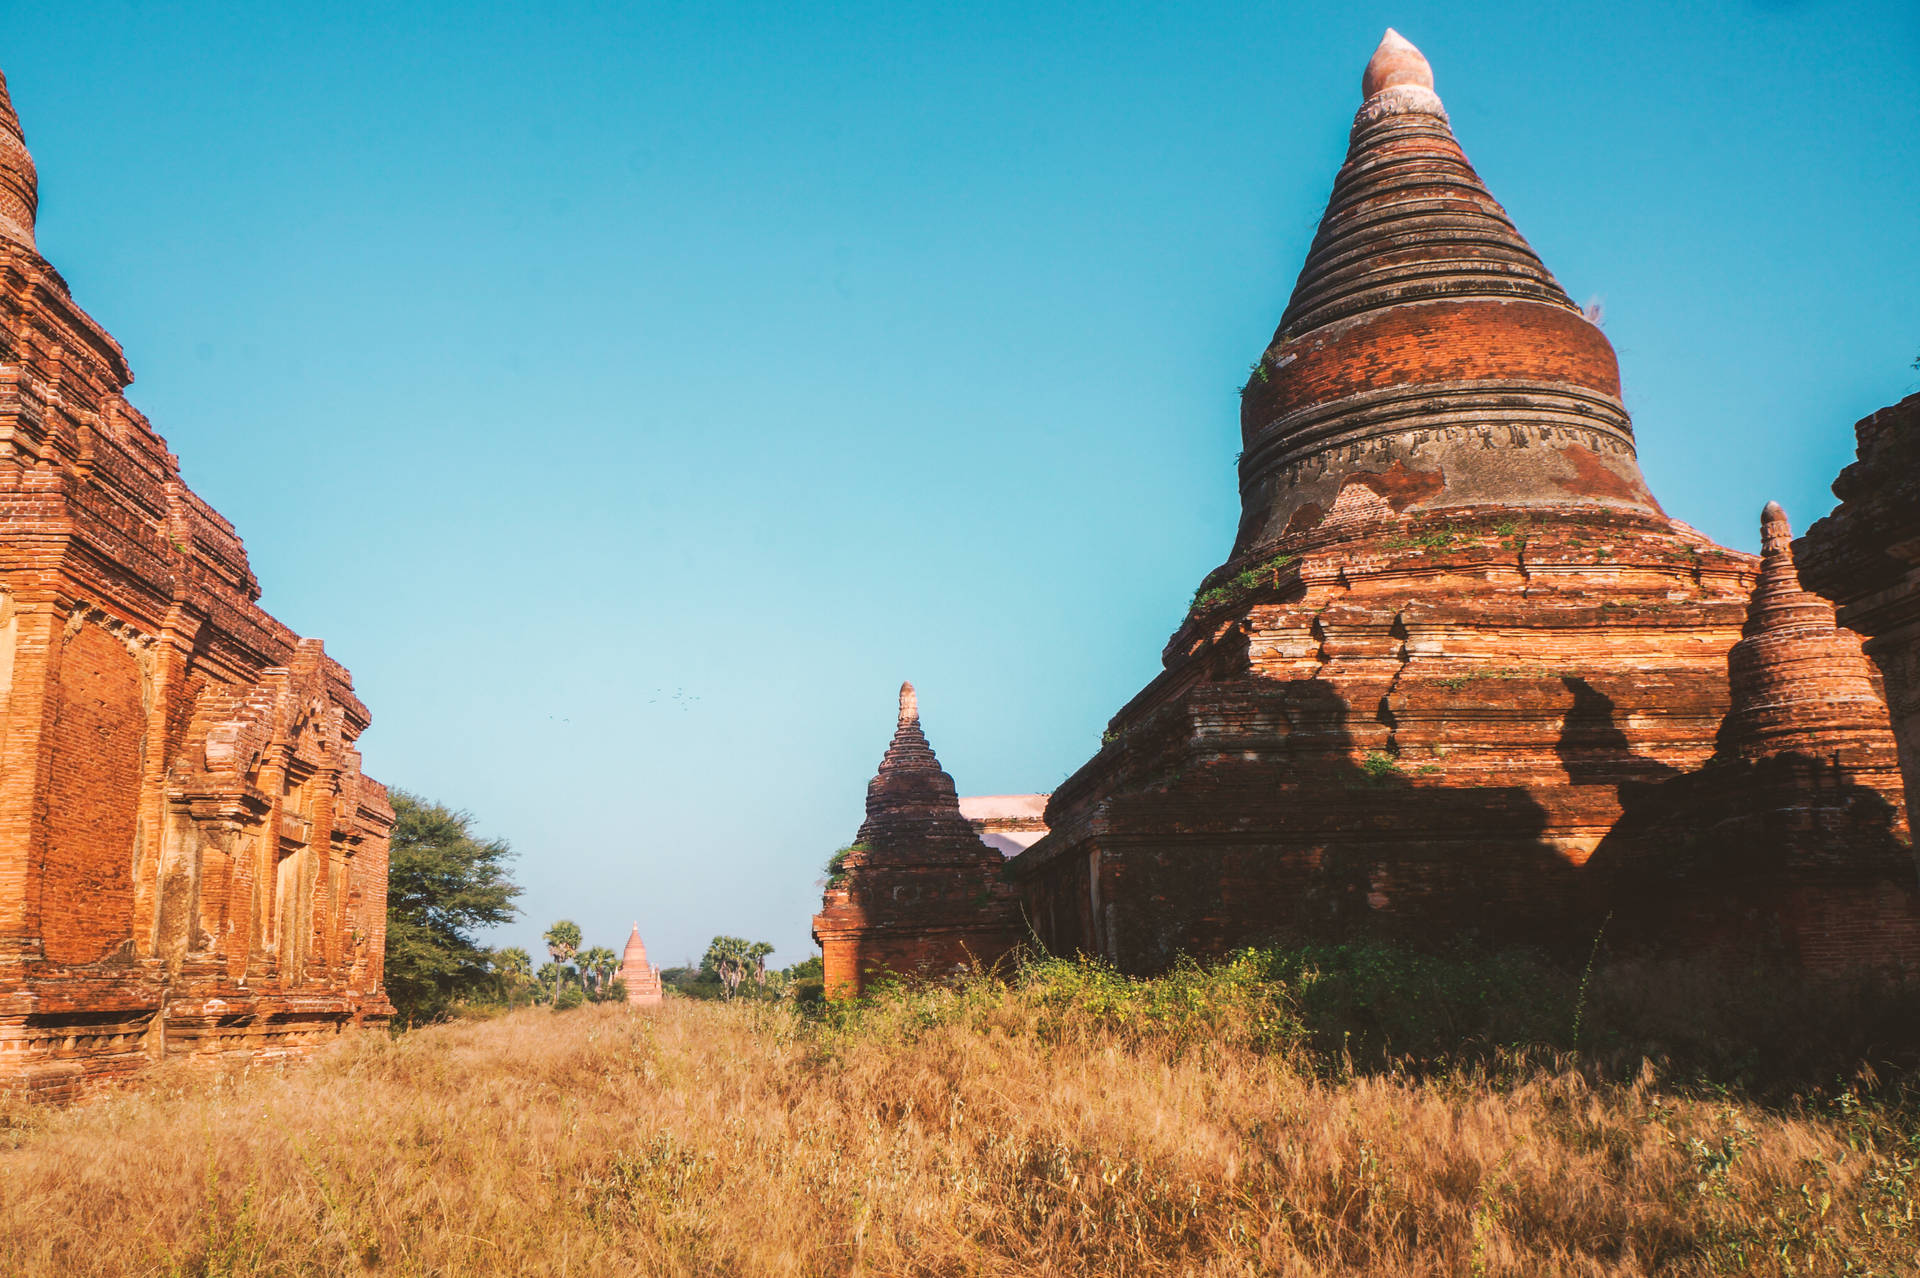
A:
[910,788]
[19,182]
[1426,354]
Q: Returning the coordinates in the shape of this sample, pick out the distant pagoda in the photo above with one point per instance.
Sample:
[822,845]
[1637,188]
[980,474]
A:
[1456,634]
[641,978]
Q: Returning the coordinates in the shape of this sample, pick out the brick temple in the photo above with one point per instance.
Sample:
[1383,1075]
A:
[1460,675]
[191,861]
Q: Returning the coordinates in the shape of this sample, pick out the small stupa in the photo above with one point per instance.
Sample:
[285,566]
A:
[641,978]
[917,894]
[1790,843]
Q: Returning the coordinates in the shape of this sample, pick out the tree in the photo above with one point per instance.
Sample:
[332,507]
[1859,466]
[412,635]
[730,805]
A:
[732,958]
[514,967]
[443,882]
[598,965]
[563,940]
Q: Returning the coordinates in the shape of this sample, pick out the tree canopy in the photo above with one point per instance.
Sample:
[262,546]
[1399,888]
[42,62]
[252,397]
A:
[733,958]
[443,882]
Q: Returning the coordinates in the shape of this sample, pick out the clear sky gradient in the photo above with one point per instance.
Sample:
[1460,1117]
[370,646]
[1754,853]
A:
[631,395]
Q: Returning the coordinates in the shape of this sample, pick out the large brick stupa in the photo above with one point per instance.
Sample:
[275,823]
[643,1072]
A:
[1455,633]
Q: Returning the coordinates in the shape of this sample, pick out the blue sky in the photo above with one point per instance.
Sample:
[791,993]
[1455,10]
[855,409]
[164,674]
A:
[632,395]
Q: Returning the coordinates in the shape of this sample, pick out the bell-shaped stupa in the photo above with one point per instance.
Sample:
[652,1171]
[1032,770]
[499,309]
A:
[1454,626]
[1428,359]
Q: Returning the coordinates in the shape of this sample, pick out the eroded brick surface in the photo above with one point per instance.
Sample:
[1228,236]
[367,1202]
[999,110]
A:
[191,861]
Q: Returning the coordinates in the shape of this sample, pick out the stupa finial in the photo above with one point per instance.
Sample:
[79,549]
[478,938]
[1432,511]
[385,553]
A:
[1776,535]
[909,704]
[1395,64]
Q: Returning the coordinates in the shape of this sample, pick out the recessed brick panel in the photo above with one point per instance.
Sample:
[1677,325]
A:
[86,894]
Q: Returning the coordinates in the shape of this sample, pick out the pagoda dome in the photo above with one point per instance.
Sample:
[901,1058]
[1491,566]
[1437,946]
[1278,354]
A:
[1427,358]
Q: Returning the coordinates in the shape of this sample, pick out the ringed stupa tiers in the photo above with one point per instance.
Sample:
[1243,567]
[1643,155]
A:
[1456,634]
[1427,360]
[918,893]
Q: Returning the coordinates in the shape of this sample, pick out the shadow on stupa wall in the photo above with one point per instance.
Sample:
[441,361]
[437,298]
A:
[1787,858]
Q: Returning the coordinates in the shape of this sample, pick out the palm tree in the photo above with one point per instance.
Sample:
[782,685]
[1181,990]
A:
[563,940]
[597,966]
[515,969]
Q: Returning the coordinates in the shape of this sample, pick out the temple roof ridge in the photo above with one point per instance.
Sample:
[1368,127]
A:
[19,181]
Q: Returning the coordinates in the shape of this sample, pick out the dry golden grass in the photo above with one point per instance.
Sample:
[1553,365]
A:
[991,1131]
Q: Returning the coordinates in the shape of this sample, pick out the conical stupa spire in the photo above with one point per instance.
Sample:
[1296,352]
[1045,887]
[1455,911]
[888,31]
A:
[19,183]
[1799,682]
[1426,351]
[636,951]
[910,786]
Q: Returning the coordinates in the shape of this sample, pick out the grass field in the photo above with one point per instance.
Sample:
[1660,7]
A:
[1070,1122]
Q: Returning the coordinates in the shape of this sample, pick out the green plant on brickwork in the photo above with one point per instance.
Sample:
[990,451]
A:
[1241,584]
[1436,540]
[1507,527]
[1257,375]
[1108,737]
[1379,766]
[837,864]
